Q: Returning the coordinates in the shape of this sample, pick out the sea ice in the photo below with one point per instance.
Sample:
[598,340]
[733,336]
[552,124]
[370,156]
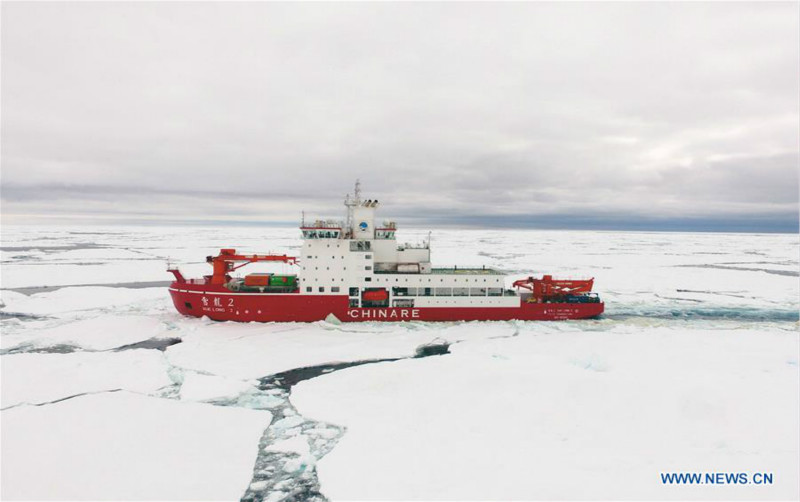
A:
[72,299]
[257,350]
[122,446]
[694,366]
[530,424]
[296,444]
[41,378]
[197,387]
[103,332]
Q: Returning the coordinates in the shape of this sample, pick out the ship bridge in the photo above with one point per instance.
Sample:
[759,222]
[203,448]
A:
[360,256]
[360,232]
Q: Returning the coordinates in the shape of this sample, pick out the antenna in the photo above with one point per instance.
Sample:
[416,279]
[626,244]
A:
[350,204]
[302,218]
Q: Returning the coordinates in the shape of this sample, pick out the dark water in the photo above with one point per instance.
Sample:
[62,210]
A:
[153,343]
[32,290]
[269,473]
[706,314]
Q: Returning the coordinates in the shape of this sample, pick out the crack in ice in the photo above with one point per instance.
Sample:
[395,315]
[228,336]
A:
[291,475]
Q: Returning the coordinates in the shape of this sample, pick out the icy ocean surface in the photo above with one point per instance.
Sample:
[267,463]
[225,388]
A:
[107,393]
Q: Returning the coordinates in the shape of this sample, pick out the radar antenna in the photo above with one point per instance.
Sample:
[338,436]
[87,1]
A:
[350,204]
[357,191]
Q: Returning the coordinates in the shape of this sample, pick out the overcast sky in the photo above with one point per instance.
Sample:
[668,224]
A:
[568,115]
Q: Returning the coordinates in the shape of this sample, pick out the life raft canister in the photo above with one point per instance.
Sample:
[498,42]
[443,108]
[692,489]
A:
[376,295]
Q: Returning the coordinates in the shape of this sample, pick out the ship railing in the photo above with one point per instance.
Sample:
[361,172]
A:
[324,224]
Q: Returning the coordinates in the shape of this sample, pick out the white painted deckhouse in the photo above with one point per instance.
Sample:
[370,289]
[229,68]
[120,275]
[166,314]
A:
[360,255]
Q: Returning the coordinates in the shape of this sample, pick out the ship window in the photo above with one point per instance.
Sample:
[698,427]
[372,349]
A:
[359,245]
[353,291]
[477,292]
[368,256]
[460,291]
[335,289]
[368,279]
[412,291]
[308,289]
[495,291]
[425,291]
[443,291]
[368,267]
[406,303]
[321,289]
[400,291]
[309,257]
[354,302]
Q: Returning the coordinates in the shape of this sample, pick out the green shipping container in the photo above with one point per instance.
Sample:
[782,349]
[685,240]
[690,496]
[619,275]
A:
[283,280]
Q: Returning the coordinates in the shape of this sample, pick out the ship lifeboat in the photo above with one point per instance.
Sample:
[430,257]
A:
[376,295]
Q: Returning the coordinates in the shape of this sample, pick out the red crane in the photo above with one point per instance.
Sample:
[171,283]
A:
[227,259]
[547,287]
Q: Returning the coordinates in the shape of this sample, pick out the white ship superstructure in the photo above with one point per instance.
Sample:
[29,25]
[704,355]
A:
[360,256]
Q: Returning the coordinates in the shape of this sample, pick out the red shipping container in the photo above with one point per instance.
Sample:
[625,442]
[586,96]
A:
[257,280]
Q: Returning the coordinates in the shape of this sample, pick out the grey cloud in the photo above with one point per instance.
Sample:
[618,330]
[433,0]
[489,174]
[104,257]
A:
[259,110]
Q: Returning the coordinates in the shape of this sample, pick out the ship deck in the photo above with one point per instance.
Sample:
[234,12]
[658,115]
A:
[448,271]
[466,271]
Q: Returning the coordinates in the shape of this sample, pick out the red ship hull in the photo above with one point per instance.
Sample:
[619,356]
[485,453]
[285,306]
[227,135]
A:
[220,304]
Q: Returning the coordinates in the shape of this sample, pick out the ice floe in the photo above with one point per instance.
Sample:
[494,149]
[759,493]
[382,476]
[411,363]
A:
[41,378]
[96,333]
[123,446]
[525,417]
[197,387]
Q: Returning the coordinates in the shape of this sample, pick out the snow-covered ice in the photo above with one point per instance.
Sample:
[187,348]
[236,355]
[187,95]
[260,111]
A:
[108,393]
[40,378]
[96,333]
[198,387]
[70,300]
[122,446]
[565,415]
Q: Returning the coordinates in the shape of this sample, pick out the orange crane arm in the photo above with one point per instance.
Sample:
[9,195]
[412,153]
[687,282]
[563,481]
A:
[547,287]
[226,260]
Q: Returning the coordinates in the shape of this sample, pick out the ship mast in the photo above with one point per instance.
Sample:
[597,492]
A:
[350,203]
